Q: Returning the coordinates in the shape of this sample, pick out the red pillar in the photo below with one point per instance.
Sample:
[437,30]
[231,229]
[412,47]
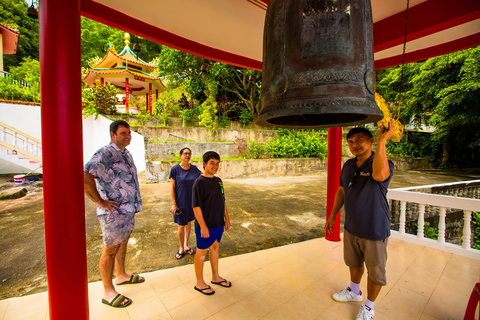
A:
[333,176]
[64,207]
[146,102]
[150,98]
[102,81]
[126,94]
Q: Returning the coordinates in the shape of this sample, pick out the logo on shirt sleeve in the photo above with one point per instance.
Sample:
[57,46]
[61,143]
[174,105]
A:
[221,187]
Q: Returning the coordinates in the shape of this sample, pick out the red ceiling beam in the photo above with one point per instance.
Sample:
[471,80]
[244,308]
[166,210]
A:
[452,46]
[106,15]
[424,19]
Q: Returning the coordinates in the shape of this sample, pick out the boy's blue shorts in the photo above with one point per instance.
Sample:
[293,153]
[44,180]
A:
[205,243]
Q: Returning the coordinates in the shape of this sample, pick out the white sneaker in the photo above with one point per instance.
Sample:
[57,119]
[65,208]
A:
[347,295]
[365,313]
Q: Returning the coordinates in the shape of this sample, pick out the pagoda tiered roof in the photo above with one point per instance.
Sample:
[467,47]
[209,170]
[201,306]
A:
[115,67]
[10,39]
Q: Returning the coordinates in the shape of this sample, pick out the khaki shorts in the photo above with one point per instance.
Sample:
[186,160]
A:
[116,228]
[357,251]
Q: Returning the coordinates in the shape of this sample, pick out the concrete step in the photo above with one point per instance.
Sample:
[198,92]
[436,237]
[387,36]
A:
[15,163]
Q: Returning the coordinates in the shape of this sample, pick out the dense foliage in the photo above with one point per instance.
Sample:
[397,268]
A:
[97,38]
[237,89]
[413,144]
[99,100]
[13,13]
[298,144]
[476,230]
[443,92]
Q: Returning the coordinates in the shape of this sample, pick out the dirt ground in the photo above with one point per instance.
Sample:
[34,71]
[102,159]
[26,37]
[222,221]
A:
[265,212]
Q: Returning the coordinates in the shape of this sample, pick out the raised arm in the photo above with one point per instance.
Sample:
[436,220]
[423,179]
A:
[381,169]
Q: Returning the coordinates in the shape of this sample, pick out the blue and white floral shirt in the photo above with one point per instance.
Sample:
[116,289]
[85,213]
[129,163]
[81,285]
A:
[116,178]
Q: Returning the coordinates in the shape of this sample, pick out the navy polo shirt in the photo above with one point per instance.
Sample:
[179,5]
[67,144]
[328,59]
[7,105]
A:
[367,213]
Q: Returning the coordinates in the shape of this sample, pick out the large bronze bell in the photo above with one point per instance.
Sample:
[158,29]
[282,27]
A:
[318,64]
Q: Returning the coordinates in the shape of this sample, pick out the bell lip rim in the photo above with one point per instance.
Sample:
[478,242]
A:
[263,122]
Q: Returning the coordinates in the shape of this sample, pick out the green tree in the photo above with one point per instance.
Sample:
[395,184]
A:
[97,38]
[234,85]
[99,100]
[209,107]
[29,71]
[182,69]
[244,84]
[171,101]
[443,92]
[298,144]
[13,13]
[11,90]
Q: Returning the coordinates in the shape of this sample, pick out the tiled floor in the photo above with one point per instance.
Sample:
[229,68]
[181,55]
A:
[290,282]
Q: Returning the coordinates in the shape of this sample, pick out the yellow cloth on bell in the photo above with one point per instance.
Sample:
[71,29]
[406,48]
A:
[398,134]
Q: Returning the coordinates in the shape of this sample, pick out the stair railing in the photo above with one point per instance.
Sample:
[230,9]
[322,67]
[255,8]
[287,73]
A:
[20,142]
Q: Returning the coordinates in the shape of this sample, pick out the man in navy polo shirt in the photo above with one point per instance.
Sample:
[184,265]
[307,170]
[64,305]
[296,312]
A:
[363,190]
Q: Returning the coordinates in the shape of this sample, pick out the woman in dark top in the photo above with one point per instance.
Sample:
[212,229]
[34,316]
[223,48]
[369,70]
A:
[182,177]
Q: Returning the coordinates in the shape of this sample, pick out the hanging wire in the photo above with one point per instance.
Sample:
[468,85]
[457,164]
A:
[403,59]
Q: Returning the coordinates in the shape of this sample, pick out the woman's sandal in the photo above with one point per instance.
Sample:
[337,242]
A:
[179,255]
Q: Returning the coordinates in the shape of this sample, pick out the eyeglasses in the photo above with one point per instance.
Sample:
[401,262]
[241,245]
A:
[187,153]
[352,179]
[127,161]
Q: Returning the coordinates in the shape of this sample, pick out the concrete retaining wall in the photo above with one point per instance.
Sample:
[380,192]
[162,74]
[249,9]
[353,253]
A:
[157,171]
[240,169]
[408,163]
[202,134]
[175,122]
[162,151]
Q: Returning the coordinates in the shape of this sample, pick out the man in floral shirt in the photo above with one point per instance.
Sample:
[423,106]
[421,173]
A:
[111,182]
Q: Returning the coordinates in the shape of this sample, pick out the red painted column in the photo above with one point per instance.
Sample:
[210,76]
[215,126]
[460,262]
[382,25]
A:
[150,98]
[64,208]
[333,176]
[156,95]
[102,81]
[146,102]
[126,94]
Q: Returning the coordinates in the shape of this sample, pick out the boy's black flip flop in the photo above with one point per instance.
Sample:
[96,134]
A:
[223,281]
[203,290]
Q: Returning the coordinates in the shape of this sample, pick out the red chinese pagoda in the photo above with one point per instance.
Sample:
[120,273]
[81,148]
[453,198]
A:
[127,72]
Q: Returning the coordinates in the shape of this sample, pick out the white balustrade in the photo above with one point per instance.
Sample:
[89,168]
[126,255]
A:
[442,225]
[467,232]
[16,140]
[403,216]
[450,200]
[421,221]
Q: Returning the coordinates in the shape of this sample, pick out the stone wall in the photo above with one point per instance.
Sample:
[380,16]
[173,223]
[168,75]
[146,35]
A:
[157,171]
